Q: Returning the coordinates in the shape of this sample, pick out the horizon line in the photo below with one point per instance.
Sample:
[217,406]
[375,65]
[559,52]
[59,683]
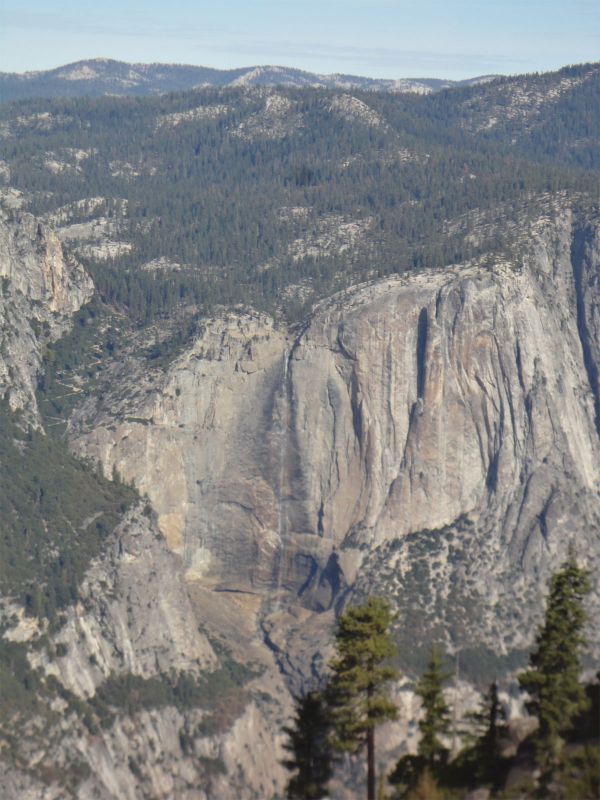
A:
[105,59]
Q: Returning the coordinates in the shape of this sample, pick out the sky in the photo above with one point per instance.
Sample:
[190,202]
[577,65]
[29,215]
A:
[450,39]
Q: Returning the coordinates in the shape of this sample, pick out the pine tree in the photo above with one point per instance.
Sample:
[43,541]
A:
[552,680]
[357,692]
[488,723]
[435,721]
[413,774]
[406,774]
[308,744]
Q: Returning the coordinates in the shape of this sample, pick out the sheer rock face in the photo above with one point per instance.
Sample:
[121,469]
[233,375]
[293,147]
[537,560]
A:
[433,439]
[302,464]
[200,445]
[465,392]
[41,289]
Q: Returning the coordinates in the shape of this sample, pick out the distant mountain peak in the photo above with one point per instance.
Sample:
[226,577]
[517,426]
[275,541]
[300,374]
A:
[102,76]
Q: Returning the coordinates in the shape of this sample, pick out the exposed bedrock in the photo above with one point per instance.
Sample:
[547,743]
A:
[40,291]
[300,463]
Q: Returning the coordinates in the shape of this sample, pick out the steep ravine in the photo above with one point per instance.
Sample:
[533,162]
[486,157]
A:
[585,251]
[41,290]
[136,629]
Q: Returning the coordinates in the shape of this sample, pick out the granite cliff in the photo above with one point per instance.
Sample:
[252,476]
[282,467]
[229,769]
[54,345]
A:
[432,437]
[455,410]
[41,290]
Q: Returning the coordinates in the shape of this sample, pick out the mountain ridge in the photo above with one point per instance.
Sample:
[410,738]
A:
[101,76]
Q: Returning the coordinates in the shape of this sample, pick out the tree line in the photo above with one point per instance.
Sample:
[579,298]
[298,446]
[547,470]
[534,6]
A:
[343,716]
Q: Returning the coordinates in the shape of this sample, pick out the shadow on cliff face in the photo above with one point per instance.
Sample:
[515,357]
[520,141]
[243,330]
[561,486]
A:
[323,588]
[584,243]
[421,351]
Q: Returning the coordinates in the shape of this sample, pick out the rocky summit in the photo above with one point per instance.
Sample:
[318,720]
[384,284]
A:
[240,472]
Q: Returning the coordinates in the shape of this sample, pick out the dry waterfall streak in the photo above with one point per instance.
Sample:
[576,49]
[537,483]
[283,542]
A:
[281,432]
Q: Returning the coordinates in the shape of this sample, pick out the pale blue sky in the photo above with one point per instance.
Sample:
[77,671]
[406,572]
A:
[381,38]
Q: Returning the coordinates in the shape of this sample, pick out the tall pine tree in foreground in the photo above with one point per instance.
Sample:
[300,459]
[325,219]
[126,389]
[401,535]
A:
[480,760]
[357,692]
[552,680]
[309,748]
[416,776]
[435,721]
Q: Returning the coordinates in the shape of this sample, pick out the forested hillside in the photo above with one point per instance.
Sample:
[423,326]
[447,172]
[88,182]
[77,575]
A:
[276,197]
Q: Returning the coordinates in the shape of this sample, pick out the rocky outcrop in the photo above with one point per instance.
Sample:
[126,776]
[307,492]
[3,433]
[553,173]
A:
[118,626]
[135,618]
[41,289]
[453,408]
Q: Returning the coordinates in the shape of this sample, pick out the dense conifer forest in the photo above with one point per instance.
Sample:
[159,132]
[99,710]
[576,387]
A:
[277,197]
